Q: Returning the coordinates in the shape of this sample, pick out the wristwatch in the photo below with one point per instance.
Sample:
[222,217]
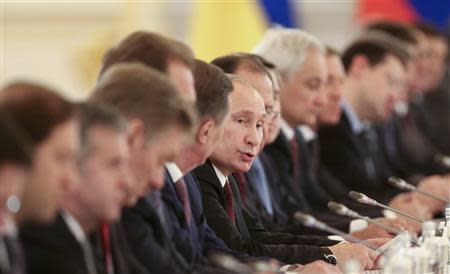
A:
[328,256]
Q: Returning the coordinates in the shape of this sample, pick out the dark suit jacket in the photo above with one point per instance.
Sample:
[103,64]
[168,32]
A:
[52,249]
[149,240]
[303,192]
[194,242]
[238,236]
[123,259]
[343,153]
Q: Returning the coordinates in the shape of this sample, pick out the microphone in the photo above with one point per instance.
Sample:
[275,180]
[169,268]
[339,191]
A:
[403,185]
[345,211]
[363,199]
[309,221]
[442,159]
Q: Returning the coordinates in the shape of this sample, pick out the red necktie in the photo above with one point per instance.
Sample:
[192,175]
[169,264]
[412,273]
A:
[183,195]
[106,245]
[229,201]
[242,186]
[295,156]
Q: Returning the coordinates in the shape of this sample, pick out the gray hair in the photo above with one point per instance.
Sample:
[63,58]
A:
[287,49]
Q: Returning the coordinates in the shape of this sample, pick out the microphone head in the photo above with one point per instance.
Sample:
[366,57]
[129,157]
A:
[305,219]
[361,198]
[400,183]
[337,208]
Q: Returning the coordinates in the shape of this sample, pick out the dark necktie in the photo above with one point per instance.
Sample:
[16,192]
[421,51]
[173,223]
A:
[295,157]
[15,256]
[242,187]
[229,201]
[106,246]
[183,196]
[369,142]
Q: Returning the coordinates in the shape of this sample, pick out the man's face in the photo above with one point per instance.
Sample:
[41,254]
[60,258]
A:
[263,84]
[331,111]
[181,76]
[438,53]
[302,97]
[147,161]
[53,170]
[243,131]
[380,87]
[104,174]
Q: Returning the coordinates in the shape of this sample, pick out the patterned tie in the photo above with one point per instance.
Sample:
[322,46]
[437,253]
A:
[293,144]
[106,245]
[229,201]
[183,196]
[242,187]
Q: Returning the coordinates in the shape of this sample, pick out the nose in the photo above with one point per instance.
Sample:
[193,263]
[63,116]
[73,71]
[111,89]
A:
[254,137]
[70,177]
[125,179]
[320,99]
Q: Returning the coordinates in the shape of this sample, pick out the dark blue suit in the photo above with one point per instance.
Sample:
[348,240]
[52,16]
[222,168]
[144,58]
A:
[195,241]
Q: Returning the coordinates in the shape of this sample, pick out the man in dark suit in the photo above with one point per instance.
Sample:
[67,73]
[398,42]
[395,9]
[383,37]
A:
[186,223]
[349,149]
[160,120]
[64,246]
[254,185]
[243,132]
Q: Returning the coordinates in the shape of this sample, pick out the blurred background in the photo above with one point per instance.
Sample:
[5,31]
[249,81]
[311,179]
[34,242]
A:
[61,43]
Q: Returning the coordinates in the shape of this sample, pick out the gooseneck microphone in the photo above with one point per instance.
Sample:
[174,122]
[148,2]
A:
[310,221]
[363,199]
[442,159]
[345,211]
[403,185]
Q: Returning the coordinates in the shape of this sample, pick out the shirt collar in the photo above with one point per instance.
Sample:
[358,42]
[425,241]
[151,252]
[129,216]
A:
[74,227]
[174,171]
[222,178]
[287,130]
[307,133]
[8,227]
[355,123]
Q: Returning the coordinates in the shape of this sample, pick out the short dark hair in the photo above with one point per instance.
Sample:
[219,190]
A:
[398,30]
[255,63]
[375,46]
[15,145]
[428,30]
[140,92]
[230,63]
[330,51]
[212,87]
[34,110]
[149,48]
[95,114]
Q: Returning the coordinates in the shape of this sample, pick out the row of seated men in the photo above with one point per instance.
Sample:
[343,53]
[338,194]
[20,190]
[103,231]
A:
[176,165]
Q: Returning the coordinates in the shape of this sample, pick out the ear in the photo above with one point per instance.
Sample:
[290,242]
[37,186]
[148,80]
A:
[359,64]
[205,131]
[136,134]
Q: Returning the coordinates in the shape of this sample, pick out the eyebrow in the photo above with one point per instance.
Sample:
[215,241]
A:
[247,113]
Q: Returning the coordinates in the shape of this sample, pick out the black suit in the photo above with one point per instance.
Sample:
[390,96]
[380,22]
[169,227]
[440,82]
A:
[302,192]
[122,256]
[149,240]
[246,235]
[345,154]
[52,249]
[196,241]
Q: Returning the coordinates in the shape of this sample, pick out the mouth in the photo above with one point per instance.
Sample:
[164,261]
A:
[247,156]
